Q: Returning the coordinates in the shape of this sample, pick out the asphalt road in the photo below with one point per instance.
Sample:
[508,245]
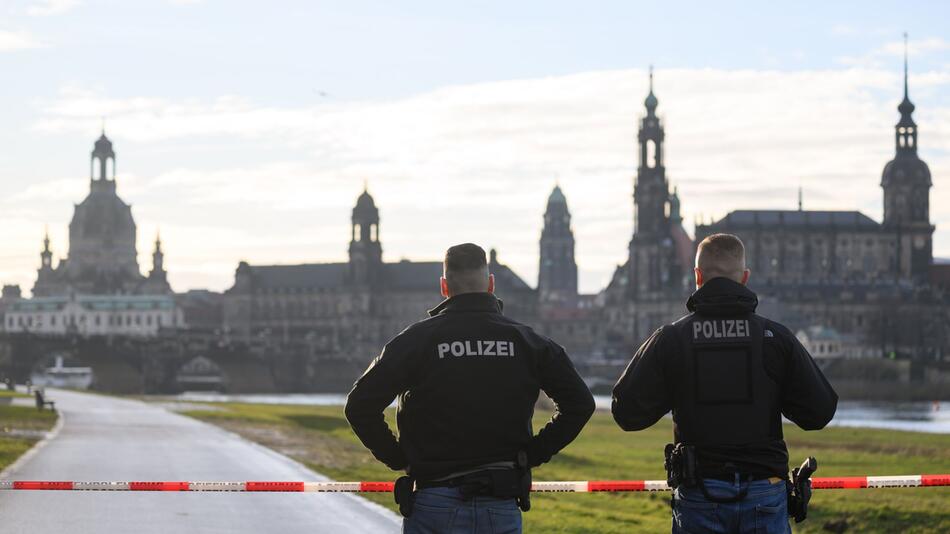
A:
[105,439]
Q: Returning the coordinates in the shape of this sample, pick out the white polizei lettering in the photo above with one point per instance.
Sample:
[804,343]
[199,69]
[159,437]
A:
[721,329]
[476,347]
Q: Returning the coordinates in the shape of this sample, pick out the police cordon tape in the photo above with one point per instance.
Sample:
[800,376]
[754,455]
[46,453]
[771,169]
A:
[583,486]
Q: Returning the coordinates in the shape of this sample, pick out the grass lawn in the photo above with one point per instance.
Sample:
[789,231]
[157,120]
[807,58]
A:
[13,420]
[320,437]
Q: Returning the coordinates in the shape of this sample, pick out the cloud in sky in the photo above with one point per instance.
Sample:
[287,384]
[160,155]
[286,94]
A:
[46,8]
[17,40]
[228,179]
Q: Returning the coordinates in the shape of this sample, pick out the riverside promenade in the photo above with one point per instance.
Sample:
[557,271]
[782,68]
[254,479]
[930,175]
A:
[105,438]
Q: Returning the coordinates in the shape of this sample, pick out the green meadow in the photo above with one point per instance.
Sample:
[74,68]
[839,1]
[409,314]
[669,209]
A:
[20,428]
[320,437]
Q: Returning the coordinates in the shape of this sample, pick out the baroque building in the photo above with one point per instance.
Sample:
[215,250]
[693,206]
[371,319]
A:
[348,310]
[102,257]
[842,269]
[871,282]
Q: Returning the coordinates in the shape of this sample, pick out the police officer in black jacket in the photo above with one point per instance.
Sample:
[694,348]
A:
[467,379]
[729,376]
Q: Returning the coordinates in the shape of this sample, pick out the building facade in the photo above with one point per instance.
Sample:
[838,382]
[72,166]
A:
[89,315]
[348,310]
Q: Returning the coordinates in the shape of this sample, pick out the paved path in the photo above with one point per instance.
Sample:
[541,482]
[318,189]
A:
[105,438]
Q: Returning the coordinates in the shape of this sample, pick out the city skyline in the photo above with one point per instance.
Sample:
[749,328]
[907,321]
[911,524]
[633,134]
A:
[228,172]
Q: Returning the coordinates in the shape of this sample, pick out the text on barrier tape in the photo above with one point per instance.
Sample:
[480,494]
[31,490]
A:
[567,486]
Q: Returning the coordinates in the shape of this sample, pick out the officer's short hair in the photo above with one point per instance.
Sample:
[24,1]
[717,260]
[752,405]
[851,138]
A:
[465,268]
[721,255]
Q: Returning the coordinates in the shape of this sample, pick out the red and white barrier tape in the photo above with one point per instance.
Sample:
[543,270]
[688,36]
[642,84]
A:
[904,481]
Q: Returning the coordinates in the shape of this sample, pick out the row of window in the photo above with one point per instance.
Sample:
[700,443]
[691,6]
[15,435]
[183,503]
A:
[842,242]
[29,321]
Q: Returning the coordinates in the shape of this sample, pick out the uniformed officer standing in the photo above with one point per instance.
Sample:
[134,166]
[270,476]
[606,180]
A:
[728,375]
[467,379]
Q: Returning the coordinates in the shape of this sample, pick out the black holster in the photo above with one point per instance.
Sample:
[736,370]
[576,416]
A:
[524,496]
[502,483]
[679,460]
[799,489]
[404,493]
[682,469]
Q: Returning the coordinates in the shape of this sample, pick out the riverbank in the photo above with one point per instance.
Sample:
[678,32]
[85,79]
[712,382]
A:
[931,417]
[320,437]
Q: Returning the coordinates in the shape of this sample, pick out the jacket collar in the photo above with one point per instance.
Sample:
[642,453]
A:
[722,296]
[469,302]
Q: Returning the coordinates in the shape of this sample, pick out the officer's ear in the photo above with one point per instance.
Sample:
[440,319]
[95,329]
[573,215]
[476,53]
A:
[745,276]
[491,284]
[699,277]
[444,286]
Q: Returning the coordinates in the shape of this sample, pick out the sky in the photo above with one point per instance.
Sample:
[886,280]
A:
[246,130]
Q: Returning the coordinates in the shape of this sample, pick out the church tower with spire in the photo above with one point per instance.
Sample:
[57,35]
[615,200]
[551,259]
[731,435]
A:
[557,273]
[654,269]
[906,182]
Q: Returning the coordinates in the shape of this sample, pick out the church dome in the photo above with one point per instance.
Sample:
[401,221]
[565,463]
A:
[651,101]
[103,217]
[365,210]
[103,147]
[906,107]
[906,168]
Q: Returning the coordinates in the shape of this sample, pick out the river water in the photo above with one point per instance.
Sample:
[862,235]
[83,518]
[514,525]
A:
[911,416]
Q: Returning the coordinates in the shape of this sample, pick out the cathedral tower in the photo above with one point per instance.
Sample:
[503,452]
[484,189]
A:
[557,273]
[651,192]
[655,270]
[906,182]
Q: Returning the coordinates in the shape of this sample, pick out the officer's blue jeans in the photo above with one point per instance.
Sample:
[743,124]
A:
[445,511]
[763,511]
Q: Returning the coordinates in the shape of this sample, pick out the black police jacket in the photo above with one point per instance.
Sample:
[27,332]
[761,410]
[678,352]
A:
[728,375]
[467,379]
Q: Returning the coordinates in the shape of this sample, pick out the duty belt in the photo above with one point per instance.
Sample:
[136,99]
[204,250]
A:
[467,480]
[730,477]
